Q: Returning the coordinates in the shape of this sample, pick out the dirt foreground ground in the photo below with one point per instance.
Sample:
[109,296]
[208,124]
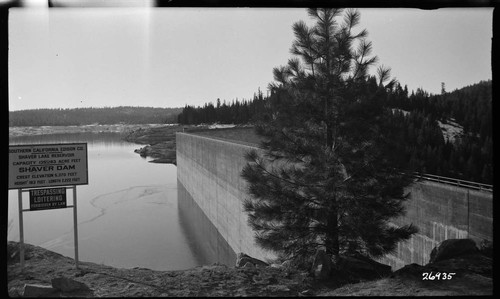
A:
[473,277]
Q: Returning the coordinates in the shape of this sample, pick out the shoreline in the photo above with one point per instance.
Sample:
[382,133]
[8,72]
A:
[96,128]
[158,139]
[160,145]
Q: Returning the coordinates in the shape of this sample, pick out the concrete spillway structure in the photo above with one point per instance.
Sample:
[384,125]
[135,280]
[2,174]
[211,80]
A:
[209,169]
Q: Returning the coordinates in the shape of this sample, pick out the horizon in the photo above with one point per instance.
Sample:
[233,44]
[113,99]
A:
[196,106]
[90,107]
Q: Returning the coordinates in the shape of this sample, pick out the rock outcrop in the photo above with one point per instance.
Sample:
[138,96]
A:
[458,256]
[452,248]
[163,152]
[244,260]
[357,267]
[61,287]
[352,268]
[159,141]
[36,290]
[486,248]
[67,285]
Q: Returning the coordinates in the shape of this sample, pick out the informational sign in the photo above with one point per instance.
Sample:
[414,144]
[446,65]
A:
[47,165]
[44,199]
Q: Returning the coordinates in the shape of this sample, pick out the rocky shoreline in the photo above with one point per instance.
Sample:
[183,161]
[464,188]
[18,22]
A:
[159,141]
[47,273]
[95,128]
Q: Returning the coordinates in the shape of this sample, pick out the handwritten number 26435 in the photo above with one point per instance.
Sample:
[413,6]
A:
[438,276]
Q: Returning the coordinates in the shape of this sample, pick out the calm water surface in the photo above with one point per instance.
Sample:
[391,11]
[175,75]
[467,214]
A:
[128,214]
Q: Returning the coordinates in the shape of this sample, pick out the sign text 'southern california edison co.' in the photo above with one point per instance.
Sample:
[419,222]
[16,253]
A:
[45,165]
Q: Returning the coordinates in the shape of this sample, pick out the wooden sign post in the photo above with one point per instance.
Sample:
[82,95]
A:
[47,165]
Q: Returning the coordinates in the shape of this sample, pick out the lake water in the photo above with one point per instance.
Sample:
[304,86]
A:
[128,215]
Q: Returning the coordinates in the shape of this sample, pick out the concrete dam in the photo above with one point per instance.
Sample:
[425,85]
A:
[208,173]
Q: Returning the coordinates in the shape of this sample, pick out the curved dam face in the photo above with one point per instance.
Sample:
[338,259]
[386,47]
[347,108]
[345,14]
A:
[209,171]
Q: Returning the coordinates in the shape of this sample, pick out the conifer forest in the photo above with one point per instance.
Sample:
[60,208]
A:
[422,118]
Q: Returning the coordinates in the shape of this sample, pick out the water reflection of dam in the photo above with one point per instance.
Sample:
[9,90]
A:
[206,243]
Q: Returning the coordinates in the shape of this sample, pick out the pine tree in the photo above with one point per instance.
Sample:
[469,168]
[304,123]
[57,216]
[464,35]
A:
[327,176]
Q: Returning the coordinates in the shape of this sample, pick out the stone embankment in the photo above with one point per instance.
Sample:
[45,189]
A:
[455,271]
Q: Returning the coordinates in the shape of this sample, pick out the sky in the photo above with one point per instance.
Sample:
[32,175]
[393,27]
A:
[170,57]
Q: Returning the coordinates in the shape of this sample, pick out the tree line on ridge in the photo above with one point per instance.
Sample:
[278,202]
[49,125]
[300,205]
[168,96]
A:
[87,116]
[426,148]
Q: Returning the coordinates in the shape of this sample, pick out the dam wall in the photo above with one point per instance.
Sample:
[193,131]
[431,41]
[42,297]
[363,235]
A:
[204,239]
[441,212]
[209,169]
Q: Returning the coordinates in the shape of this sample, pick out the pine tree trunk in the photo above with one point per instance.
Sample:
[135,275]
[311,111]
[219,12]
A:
[332,238]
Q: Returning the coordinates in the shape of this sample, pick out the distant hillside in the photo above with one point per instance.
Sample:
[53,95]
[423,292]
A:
[87,116]
[449,134]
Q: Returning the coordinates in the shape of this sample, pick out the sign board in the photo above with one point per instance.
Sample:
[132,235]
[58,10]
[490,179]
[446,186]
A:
[47,165]
[44,199]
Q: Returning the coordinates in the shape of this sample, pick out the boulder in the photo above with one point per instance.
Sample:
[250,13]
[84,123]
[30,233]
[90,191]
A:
[476,263]
[35,290]
[322,264]
[249,265]
[357,266]
[242,259]
[452,248]
[412,270]
[486,248]
[68,285]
